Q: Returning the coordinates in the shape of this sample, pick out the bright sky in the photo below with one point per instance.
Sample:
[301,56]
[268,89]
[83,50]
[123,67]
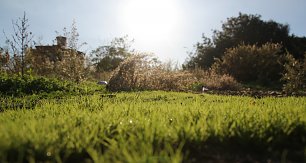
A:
[168,28]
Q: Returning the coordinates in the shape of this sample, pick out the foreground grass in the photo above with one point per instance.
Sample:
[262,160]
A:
[156,127]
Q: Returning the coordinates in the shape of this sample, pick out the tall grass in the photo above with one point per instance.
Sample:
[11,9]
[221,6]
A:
[142,72]
[156,127]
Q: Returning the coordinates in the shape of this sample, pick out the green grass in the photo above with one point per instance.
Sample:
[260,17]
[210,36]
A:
[16,86]
[155,127]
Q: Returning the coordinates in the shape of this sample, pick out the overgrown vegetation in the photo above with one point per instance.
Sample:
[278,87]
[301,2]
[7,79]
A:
[249,63]
[214,81]
[142,72]
[245,29]
[156,127]
[251,50]
[51,112]
[237,53]
[295,75]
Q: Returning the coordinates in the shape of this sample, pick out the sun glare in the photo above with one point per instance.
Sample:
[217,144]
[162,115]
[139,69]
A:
[151,20]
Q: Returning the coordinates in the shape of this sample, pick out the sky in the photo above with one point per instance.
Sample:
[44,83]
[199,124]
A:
[167,28]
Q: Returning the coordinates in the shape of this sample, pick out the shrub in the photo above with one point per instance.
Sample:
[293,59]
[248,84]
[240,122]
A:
[249,63]
[15,85]
[295,75]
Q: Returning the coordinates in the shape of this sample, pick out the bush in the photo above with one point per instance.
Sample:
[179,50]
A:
[15,85]
[249,63]
[295,75]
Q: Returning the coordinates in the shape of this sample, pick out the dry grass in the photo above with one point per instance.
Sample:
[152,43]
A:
[143,72]
[214,81]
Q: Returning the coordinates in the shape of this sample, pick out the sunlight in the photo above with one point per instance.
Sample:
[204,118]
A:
[151,21]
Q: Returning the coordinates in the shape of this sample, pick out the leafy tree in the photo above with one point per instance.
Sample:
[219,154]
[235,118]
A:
[248,30]
[19,41]
[108,57]
[204,55]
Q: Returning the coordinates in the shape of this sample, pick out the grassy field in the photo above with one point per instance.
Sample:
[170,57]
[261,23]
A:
[155,127]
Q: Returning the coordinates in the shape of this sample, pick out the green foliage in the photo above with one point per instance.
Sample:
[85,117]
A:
[156,127]
[15,85]
[108,64]
[249,63]
[108,57]
[295,75]
[203,57]
[244,29]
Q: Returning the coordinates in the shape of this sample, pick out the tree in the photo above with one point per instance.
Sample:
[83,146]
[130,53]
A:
[204,55]
[20,40]
[72,36]
[72,65]
[248,30]
[108,57]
